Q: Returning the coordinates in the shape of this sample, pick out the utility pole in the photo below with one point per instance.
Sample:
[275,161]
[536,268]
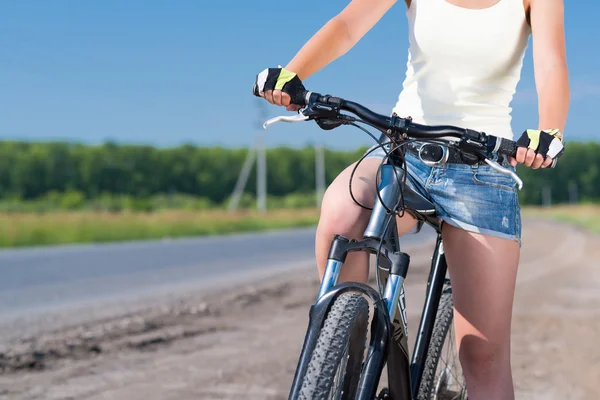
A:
[546,196]
[573,192]
[261,161]
[261,175]
[257,154]
[319,173]
[242,180]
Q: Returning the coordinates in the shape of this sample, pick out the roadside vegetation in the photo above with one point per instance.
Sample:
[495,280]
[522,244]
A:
[57,193]
[586,216]
[32,229]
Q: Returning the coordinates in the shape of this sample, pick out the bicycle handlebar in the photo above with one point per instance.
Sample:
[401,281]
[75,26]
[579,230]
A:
[327,110]
[406,126]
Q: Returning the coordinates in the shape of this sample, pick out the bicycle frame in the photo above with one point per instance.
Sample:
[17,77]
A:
[389,327]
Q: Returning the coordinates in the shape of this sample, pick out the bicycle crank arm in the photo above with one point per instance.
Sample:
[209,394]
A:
[505,171]
[285,118]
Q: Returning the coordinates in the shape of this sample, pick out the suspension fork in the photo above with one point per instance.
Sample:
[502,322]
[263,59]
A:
[398,365]
[380,228]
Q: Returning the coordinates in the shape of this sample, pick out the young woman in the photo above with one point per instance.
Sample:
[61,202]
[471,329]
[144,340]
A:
[464,63]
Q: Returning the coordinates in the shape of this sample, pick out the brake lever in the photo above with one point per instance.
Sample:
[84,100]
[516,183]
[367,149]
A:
[285,118]
[505,171]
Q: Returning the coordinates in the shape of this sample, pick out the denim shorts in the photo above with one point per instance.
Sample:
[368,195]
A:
[475,198]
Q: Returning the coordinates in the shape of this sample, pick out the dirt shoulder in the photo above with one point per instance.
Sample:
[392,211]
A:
[244,343]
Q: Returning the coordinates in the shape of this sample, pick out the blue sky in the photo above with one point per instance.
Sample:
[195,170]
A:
[166,73]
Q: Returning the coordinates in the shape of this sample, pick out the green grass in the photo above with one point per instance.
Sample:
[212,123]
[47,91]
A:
[62,227]
[33,229]
[585,216]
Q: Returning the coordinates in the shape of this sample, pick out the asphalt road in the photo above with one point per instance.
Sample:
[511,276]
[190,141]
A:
[36,280]
[243,340]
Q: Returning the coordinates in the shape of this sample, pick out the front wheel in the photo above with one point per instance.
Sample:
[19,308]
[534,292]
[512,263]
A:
[336,362]
[443,378]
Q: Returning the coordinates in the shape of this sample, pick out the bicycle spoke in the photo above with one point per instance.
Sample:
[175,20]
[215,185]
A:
[449,377]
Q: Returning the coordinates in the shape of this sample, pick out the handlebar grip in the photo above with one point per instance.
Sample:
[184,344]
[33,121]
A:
[300,98]
[508,148]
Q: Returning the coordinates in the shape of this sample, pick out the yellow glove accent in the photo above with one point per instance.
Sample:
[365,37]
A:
[284,77]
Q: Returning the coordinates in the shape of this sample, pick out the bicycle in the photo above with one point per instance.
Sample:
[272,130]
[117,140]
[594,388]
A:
[332,362]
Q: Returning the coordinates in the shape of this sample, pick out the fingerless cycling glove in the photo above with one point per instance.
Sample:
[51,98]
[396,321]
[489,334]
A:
[545,142]
[278,79]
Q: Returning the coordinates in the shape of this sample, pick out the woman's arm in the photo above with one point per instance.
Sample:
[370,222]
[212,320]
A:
[550,70]
[333,40]
[338,35]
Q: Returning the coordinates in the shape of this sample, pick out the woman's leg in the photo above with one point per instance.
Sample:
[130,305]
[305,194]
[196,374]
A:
[341,215]
[483,272]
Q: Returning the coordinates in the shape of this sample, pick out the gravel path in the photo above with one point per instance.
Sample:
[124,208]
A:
[244,343]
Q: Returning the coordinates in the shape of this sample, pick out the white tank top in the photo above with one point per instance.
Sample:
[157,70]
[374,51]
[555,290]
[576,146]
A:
[463,64]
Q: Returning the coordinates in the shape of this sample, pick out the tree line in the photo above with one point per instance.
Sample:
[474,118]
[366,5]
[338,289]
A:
[31,170]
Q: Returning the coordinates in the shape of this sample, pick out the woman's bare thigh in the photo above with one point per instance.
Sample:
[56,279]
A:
[483,271]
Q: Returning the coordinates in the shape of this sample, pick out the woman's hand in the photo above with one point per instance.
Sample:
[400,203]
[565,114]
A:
[278,86]
[529,158]
[538,148]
